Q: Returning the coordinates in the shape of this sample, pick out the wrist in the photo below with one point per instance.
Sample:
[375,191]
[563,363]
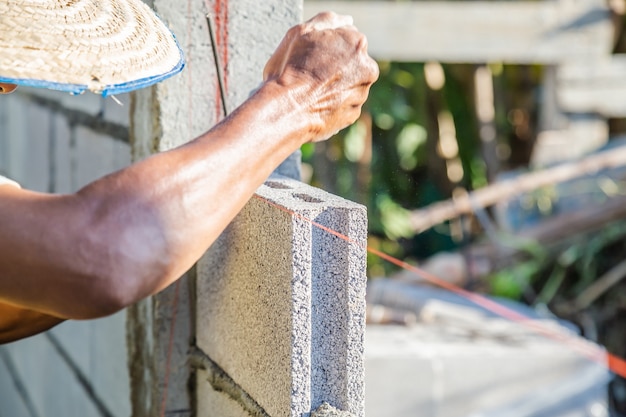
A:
[289,108]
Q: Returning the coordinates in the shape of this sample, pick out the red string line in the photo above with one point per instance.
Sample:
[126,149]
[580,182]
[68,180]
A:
[590,350]
[583,346]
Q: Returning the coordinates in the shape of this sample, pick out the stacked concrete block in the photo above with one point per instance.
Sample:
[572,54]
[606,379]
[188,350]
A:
[55,142]
[169,115]
[162,117]
[281,304]
[457,359]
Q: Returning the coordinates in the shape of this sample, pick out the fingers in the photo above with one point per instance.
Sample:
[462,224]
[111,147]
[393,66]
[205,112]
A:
[326,61]
[321,22]
[328,20]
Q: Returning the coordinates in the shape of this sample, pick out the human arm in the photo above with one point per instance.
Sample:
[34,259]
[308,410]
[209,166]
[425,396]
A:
[132,233]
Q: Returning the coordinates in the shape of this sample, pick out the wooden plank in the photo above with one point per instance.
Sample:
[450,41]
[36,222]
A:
[439,212]
[599,87]
[480,31]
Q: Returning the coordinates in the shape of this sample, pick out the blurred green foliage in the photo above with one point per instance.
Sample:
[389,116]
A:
[390,160]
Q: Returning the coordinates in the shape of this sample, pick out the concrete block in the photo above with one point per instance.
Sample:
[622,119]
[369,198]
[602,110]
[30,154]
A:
[480,31]
[258,28]
[281,303]
[159,336]
[423,371]
[213,403]
[248,33]
[594,87]
[251,49]
[585,133]
[186,105]
[459,360]
[97,155]
[327,410]
[172,113]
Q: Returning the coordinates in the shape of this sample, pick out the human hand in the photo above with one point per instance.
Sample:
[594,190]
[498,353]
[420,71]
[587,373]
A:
[326,70]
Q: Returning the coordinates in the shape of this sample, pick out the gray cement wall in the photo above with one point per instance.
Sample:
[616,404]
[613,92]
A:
[54,142]
[281,304]
[271,337]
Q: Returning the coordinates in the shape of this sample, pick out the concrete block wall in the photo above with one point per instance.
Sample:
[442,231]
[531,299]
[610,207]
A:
[55,142]
[272,318]
[281,305]
[459,359]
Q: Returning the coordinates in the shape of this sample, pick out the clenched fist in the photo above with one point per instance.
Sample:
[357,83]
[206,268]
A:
[326,71]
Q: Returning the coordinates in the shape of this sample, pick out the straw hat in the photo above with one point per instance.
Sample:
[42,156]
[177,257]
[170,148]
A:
[106,46]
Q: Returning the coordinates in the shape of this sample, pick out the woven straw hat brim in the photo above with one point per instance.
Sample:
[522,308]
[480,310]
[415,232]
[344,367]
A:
[105,46]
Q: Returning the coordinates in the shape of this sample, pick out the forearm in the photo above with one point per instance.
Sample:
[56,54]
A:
[132,233]
[191,193]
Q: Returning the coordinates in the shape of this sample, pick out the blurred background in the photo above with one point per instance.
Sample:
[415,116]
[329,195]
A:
[491,153]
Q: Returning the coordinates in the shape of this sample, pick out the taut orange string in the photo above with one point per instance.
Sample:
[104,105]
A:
[590,350]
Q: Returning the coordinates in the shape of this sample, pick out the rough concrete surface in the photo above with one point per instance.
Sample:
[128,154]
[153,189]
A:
[459,360]
[176,111]
[281,304]
[214,403]
[327,410]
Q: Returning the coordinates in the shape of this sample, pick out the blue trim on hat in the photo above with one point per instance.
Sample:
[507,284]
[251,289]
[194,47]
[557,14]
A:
[27,82]
[142,82]
[107,90]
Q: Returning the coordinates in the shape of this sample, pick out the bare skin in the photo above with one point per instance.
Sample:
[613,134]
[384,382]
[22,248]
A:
[134,232]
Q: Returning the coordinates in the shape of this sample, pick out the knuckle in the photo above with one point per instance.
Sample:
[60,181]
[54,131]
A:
[297,30]
[363,43]
[327,15]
